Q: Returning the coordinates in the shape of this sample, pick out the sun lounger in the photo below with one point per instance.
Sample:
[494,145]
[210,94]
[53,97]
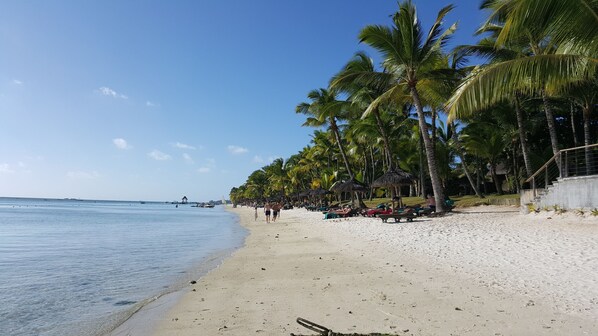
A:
[408,215]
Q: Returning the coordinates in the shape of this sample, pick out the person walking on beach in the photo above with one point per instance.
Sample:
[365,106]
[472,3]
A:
[267,209]
[255,206]
[275,211]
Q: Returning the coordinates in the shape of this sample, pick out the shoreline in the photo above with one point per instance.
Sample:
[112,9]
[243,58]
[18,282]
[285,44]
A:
[143,320]
[420,278]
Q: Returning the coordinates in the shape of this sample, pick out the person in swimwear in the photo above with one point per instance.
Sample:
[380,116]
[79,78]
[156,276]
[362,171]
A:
[267,211]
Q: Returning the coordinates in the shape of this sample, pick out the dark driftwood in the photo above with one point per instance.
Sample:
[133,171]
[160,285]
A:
[323,331]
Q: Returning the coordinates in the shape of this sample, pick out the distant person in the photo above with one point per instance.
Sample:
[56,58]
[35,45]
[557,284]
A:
[431,201]
[275,211]
[267,211]
[255,206]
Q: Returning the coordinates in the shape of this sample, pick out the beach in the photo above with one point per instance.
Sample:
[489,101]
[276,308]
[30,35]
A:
[483,271]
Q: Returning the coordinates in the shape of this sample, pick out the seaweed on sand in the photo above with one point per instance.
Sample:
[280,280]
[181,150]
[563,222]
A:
[323,331]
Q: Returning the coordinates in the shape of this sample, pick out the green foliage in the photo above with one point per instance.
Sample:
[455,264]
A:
[594,212]
[580,212]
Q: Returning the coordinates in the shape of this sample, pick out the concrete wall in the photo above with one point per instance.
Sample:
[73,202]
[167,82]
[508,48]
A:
[567,193]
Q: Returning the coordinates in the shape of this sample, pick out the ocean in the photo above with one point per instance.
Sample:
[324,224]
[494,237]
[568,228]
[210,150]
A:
[73,267]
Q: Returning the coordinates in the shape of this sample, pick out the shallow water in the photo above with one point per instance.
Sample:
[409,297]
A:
[79,267]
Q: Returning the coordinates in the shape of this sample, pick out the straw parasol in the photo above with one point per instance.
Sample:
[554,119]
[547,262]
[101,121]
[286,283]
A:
[393,178]
[348,186]
[319,192]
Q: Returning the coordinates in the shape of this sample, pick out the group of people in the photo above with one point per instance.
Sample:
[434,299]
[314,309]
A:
[271,211]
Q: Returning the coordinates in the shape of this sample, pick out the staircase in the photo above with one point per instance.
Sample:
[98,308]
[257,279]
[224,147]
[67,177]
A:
[568,180]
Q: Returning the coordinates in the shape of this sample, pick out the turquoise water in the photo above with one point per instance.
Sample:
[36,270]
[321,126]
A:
[72,267]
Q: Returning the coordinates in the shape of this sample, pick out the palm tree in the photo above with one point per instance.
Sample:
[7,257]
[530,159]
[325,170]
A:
[486,141]
[363,95]
[325,109]
[560,53]
[487,48]
[411,60]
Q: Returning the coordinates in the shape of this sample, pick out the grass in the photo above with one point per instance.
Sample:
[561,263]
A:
[460,201]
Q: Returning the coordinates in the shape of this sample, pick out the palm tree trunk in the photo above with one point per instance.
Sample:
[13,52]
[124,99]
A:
[434,136]
[334,128]
[465,170]
[573,128]
[385,141]
[522,138]
[430,155]
[422,183]
[551,125]
[495,178]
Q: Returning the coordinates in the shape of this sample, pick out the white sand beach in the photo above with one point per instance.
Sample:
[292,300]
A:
[482,271]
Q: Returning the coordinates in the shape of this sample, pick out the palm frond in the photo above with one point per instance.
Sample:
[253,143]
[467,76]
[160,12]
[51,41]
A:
[495,82]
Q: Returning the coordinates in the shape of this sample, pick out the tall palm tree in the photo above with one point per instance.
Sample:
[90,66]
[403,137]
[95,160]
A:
[325,109]
[411,59]
[561,52]
[487,48]
[363,95]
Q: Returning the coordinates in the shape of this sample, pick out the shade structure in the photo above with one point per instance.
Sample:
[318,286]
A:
[393,178]
[348,186]
[319,192]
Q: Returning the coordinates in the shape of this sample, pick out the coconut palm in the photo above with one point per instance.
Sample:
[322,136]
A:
[487,48]
[560,53]
[325,109]
[411,60]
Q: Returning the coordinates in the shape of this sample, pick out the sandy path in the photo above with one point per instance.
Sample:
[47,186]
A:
[492,273]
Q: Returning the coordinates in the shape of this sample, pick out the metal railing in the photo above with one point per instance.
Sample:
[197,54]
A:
[571,162]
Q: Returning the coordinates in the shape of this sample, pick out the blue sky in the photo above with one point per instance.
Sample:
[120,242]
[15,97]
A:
[153,100]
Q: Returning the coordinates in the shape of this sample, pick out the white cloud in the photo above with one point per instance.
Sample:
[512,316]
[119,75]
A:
[121,143]
[237,149]
[151,104]
[183,146]
[188,158]
[82,175]
[5,168]
[258,159]
[204,170]
[17,82]
[106,91]
[159,156]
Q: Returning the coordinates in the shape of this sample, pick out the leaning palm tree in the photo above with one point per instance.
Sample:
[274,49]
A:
[488,49]
[411,60]
[561,53]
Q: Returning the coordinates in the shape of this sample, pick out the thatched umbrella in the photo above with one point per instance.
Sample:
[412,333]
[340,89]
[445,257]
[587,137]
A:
[393,178]
[348,186]
[319,192]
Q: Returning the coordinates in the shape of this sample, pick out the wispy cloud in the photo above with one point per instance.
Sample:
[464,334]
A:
[159,156]
[188,158]
[121,143]
[237,149]
[83,175]
[151,104]
[5,168]
[17,82]
[258,159]
[183,146]
[204,170]
[106,91]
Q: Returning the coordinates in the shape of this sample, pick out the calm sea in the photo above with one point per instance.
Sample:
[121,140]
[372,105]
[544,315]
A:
[70,267]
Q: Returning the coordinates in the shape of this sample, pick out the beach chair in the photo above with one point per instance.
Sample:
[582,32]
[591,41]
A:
[408,214]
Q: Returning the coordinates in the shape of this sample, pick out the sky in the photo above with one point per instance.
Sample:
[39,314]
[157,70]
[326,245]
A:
[155,99]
